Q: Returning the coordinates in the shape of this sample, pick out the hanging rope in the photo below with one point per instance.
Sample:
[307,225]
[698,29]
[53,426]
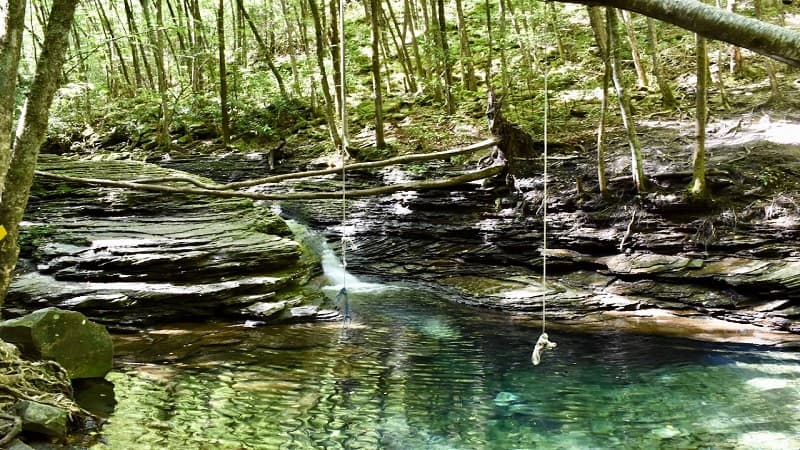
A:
[544,343]
[341,297]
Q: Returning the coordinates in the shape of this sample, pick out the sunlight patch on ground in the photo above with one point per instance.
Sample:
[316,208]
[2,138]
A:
[740,132]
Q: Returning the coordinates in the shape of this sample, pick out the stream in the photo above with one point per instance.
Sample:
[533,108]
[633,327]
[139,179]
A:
[415,371]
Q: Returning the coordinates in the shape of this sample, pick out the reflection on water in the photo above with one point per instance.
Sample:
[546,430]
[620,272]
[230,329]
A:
[413,372]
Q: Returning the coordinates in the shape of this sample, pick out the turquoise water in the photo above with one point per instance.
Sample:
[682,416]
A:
[415,372]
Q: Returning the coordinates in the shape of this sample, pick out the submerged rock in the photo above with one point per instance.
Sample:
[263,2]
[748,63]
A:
[82,347]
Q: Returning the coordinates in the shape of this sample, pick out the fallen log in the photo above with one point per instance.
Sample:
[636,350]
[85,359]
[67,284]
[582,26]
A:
[404,159]
[160,188]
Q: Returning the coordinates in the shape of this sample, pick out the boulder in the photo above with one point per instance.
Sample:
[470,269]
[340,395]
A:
[82,347]
[41,418]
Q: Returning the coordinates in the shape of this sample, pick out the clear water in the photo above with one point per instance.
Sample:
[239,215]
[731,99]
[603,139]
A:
[415,372]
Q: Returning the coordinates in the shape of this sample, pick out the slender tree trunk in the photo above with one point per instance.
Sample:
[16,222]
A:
[448,71]
[112,72]
[505,79]
[372,10]
[637,170]
[775,93]
[435,53]
[641,73]
[402,51]
[114,44]
[10,47]
[736,63]
[602,180]
[292,49]
[489,55]
[137,68]
[31,131]
[667,99]
[336,54]
[468,69]
[306,46]
[269,55]
[528,54]
[198,45]
[554,25]
[597,22]
[326,88]
[698,189]
[723,95]
[161,69]
[223,76]
[408,18]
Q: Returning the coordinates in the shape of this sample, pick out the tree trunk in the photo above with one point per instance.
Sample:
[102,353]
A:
[371,8]
[292,50]
[402,52]
[771,40]
[198,46]
[223,76]
[408,18]
[667,99]
[337,52]
[113,46]
[554,25]
[30,133]
[641,74]
[448,72]
[504,76]
[736,63]
[161,69]
[330,117]
[10,47]
[775,93]
[269,55]
[637,170]
[601,37]
[468,69]
[597,22]
[132,43]
[698,189]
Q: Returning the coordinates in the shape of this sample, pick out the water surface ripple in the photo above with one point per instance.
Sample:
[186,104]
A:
[415,372]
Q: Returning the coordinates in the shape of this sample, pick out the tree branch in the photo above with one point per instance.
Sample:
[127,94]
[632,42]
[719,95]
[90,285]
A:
[770,40]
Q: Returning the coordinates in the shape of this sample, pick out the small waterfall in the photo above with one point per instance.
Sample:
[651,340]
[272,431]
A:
[334,270]
[332,266]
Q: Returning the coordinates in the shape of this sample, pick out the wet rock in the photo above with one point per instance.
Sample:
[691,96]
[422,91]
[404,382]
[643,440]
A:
[82,347]
[16,444]
[127,257]
[41,418]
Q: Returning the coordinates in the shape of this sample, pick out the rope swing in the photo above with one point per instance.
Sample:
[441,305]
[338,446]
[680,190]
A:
[544,343]
[341,297]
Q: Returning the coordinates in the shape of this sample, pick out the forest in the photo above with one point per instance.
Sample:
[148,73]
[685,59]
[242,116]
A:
[399,224]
